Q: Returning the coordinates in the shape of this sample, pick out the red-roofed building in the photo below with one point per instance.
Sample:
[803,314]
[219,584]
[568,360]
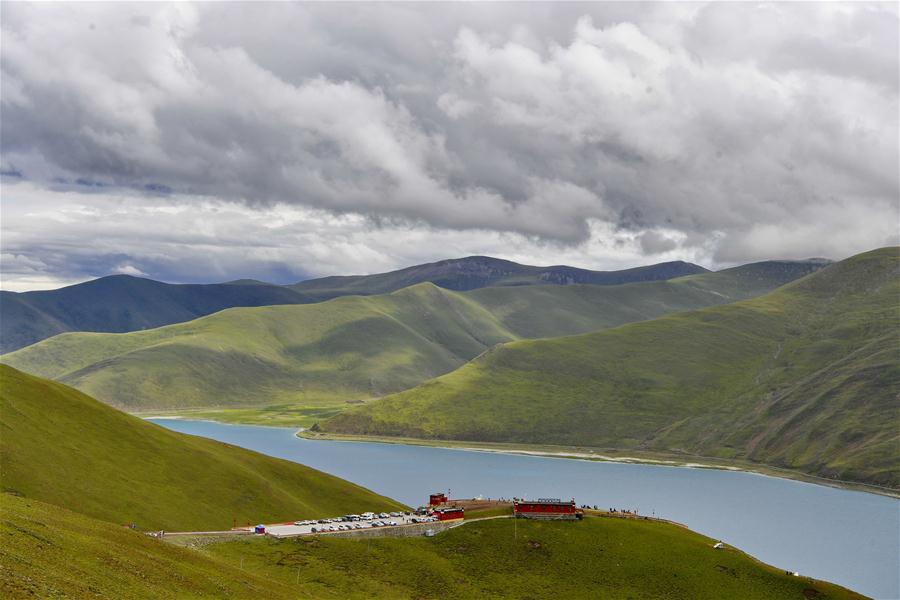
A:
[449,514]
[546,508]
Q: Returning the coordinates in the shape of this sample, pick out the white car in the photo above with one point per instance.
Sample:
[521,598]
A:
[393,523]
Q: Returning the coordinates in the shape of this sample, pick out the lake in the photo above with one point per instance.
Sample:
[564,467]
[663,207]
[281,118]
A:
[847,537]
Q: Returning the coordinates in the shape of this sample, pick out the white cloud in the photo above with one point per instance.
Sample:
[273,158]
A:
[126,269]
[454,106]
[592,133]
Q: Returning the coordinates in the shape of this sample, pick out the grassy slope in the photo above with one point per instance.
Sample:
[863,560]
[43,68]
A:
[299,358]
[805,377]
[59,446]
[122,303]
[347,348]
[552,311]
[595,558]
[50,552]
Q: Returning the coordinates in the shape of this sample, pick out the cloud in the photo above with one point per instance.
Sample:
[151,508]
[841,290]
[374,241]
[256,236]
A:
[716,131]
[202,240]
[126,269]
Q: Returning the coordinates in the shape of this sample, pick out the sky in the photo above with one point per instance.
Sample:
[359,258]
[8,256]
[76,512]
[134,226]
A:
[282,141]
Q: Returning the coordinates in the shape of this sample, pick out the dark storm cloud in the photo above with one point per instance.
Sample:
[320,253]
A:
[728,131]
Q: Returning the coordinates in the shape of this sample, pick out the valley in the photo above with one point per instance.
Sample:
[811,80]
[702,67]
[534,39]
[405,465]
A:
[499,368]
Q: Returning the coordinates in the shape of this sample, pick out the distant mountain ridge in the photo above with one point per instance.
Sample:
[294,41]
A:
[123,303]
[474,272]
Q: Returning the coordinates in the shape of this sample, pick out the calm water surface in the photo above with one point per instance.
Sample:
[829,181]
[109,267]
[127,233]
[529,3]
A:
[850,538]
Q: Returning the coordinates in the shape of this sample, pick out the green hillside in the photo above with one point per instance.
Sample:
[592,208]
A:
[352,347]
[595,558]
[59,446]
[806,377]
[552,311]
[297,359]
[50,552]
[47,551]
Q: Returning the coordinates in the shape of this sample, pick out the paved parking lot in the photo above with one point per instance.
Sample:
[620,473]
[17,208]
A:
[290,530]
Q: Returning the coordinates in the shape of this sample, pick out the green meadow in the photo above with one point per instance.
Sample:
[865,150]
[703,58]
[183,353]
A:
[60,446]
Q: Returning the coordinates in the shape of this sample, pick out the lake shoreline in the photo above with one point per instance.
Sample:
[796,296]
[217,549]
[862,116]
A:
[611,455]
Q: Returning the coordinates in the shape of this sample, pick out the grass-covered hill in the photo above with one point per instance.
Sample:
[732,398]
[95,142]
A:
[474,272]
[358,347]
[805,377]
[123,303]
[594,558]
[47,551]
[62,447]
[51,552]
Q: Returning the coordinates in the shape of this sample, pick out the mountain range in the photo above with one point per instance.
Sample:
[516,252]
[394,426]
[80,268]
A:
[122,303]
[360,347]
[474,272]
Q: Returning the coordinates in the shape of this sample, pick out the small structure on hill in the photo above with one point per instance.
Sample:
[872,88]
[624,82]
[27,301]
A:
[546,508]
[437,499]
[449,514]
